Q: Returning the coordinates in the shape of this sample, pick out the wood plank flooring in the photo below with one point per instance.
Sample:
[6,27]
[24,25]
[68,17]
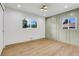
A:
[42,47]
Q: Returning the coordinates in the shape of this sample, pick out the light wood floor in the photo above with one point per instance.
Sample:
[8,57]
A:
[43,47]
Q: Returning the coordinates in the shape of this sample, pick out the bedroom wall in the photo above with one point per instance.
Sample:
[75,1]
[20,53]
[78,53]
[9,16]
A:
[14,33]
[54,28]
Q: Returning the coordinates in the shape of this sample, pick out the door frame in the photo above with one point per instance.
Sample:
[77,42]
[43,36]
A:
[2,24]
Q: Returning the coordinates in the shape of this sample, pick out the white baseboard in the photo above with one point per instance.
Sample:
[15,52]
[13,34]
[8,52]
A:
[30,39]
[1,50]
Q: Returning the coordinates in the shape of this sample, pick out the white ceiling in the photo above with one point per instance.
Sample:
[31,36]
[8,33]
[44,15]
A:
[34,8]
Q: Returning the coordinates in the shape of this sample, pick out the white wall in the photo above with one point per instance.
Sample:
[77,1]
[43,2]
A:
[67,36]
[1,29]
[14,33]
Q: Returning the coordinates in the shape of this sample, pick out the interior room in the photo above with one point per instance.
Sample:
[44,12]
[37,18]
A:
[39,29]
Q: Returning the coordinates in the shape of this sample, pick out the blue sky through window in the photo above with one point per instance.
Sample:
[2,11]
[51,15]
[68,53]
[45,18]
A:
[33,21]
[72,20]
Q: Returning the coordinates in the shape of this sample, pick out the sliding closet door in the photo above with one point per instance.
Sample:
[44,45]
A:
[62,33]
[51,28]
[74,34]
[1,29]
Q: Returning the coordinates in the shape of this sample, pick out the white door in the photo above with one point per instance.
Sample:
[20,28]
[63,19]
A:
[53,28]
[1,29]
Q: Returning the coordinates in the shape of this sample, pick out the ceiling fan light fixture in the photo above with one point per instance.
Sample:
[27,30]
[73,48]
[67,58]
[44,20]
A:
[43,8]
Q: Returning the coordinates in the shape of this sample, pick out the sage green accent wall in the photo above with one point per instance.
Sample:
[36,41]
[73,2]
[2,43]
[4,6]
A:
[54,28]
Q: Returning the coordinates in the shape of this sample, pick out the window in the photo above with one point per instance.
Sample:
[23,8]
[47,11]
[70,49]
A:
[70,23]
[29,23]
